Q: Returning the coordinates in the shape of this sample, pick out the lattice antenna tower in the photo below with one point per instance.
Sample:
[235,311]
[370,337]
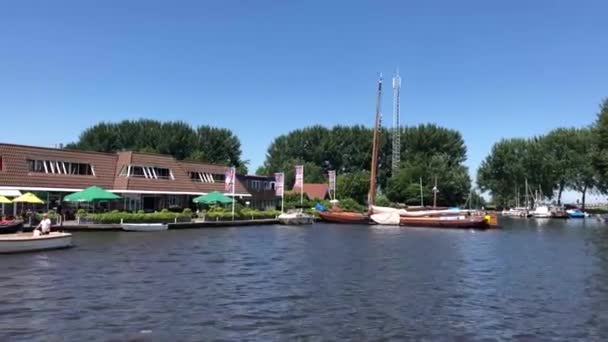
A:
[396,123]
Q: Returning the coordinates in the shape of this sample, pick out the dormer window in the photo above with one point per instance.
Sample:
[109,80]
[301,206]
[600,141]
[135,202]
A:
[58,167]
[148,172]
[205,177]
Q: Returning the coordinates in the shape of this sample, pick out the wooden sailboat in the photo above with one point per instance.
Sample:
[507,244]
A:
[336,215]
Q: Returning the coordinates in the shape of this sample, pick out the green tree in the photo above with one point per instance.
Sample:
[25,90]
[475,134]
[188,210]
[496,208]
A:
[583,175]
[512,163]
[354,185]
[600,134]
[453,182]
[176,138]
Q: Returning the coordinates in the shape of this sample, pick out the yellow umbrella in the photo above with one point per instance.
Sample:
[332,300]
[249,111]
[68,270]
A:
[4,200]
[28,198]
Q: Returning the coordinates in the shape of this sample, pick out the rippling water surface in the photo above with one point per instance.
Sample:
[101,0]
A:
[533,280]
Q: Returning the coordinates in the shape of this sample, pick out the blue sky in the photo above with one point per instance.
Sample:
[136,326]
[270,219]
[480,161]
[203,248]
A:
[489,69]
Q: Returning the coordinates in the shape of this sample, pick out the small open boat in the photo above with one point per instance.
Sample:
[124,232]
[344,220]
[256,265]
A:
[11,227]
[144,227]
[26,242]
[296,218]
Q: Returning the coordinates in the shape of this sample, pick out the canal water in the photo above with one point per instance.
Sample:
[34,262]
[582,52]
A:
[532,280]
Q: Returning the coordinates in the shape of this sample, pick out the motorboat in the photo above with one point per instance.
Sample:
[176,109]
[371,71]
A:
[11,227]
[27,242]
[296,218]
[576,213]
[541,211]
[144,227]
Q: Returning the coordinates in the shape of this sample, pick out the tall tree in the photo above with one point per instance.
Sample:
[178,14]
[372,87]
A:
[453,182]
[512,163]
[176,138]
[600,133]
[583,177]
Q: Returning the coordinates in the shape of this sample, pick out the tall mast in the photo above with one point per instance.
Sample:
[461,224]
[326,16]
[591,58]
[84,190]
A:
[396,157]
[371,198]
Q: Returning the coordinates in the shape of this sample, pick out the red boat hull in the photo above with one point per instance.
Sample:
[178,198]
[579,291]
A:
[443,222]
[344,217]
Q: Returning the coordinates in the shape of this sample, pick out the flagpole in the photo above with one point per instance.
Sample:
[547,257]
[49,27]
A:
[232,171]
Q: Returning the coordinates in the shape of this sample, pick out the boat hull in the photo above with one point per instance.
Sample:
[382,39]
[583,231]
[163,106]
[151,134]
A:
[295,219]
[458,222]
[11,228]
[21,243]
[344,217]
[144,227]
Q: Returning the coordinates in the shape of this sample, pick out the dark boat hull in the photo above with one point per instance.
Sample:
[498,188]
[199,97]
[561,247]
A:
[11,228]
[344,217]
[438,222]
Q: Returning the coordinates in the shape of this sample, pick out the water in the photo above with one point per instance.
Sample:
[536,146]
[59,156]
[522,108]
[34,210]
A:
[530,281]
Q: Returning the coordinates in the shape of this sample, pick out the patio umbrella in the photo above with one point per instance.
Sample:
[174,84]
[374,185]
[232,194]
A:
[91,194]
[212,198]
[28,198]
[4,200]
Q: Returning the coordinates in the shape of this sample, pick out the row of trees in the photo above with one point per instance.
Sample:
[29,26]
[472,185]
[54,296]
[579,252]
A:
[564,159]
[176,138]
[427,152]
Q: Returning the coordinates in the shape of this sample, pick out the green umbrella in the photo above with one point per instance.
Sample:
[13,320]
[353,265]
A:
[90,194]
[212,198]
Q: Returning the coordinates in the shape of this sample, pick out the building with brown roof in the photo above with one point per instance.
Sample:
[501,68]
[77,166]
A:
[314,190]
[145,181]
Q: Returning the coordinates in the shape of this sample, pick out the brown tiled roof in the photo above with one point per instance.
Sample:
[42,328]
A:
[15,172]
[314,190]
[107,168]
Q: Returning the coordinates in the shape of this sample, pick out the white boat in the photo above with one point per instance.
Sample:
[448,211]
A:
[27,242]
[296,218]
[419,213]
[144,227]
[541,212]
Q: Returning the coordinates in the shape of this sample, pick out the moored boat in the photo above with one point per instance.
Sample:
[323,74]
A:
[26,242]
[11,227]
[144,227]
[461,221]
[296,218]
[347,217]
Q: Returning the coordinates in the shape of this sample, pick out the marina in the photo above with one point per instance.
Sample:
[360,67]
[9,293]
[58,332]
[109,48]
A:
[520,282]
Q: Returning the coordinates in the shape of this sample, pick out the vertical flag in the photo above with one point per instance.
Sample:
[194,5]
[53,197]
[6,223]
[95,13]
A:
[229,180]
[332,183]
[279,183]
[299,176]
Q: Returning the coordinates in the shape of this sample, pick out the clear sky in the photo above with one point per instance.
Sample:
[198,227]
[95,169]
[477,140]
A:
[489,69]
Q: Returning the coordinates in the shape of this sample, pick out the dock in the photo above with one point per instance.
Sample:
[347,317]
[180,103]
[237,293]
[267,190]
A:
[91,227]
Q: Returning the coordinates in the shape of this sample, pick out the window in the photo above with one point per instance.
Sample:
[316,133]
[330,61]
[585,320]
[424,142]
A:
[1,164]
[59,167]
[205,177]
[148,172]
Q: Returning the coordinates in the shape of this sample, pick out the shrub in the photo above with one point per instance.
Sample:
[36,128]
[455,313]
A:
[81,212]
[187,212]
[350,204]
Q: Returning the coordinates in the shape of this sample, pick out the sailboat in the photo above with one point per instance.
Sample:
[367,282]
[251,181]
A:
[336,215]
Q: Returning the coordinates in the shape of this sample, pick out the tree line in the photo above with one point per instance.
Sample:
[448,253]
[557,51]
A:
[175,138]
[428,151]
[564,159]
